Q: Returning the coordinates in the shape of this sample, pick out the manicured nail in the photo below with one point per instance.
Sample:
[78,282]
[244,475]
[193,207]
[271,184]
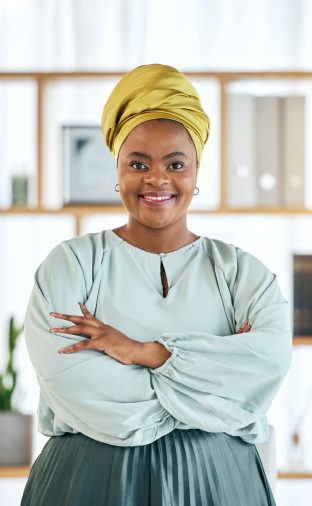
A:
[64,350]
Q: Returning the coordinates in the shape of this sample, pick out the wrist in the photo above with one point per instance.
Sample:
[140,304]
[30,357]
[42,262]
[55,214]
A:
[151,355]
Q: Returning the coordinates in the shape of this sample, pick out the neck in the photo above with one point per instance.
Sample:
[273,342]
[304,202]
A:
[156,240]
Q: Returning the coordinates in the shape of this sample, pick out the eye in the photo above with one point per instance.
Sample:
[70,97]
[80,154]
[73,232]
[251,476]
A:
[176,165]
[138,166]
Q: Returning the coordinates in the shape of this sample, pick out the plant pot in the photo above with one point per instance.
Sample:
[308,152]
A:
[15,439]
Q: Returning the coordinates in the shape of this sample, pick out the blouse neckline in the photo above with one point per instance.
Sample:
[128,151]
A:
[184,248]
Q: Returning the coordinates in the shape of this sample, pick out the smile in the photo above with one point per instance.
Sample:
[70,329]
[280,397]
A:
[157,198]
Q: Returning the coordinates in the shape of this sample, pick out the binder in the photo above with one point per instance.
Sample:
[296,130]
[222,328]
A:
[293,160]
[268,159]
[241,152]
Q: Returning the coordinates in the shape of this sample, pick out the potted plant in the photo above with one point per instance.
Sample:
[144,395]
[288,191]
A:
[15,427]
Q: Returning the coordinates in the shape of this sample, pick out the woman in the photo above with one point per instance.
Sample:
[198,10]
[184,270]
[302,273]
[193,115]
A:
[162,381]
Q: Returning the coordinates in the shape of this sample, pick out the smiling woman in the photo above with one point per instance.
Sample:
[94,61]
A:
[157,391]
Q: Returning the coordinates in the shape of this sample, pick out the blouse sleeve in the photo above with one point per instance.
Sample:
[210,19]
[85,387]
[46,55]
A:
[227,383]
[86,392]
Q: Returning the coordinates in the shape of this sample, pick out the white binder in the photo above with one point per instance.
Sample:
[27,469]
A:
[241,152]
[268,127]
[293,162]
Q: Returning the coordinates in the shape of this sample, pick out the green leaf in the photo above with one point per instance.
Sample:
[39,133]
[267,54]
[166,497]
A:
[8,379]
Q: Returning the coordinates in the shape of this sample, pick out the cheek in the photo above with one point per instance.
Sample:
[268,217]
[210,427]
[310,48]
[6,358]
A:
[189,182]
[127,187]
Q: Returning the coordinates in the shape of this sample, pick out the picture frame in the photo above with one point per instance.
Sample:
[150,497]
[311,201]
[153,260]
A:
[89,169]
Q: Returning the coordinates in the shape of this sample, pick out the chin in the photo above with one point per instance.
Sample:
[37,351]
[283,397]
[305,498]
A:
[159,224]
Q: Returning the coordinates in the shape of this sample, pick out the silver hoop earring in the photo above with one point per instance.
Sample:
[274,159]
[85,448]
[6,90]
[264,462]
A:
[116,188]
[196,191]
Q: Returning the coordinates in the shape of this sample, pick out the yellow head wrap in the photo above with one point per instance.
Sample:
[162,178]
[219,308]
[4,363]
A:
[152,92]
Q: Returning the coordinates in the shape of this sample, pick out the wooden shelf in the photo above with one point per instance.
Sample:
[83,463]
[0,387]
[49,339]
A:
[96,209]
[23,472]
[220,75]
[14,471]
[295,475]
[78,212]
[305,340]
[75,210]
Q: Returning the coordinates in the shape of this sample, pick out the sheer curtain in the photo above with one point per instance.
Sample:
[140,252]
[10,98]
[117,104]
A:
[189,34]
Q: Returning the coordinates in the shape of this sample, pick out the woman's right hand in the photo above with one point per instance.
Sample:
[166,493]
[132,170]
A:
[99,336]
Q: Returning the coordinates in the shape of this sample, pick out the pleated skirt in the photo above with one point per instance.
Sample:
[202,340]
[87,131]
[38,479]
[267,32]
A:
[183,468]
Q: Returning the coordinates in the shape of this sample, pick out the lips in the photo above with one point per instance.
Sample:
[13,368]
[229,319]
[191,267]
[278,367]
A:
[157,198]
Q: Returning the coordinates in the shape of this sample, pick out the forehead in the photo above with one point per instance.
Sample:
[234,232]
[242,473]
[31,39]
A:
[159,131]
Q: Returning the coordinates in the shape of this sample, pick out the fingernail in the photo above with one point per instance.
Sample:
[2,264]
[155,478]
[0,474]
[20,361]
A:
[53,314]
[63,350]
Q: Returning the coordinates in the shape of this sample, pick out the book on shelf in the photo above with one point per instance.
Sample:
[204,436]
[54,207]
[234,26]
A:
[302,295]
[265,151]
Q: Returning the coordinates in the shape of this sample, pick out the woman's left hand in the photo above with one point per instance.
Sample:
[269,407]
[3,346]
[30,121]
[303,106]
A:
[102,337]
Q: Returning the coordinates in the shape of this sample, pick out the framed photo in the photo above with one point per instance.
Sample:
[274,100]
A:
[89,169]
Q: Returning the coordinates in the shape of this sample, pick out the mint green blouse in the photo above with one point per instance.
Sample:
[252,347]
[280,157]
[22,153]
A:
[215,380]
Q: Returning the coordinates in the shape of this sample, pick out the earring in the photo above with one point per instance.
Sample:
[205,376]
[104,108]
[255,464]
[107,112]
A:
[116,188]
[196,190]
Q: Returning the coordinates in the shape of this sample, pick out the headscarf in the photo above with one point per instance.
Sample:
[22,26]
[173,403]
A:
[152,92]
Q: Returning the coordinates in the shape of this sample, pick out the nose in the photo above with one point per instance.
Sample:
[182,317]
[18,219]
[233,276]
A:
[156,177]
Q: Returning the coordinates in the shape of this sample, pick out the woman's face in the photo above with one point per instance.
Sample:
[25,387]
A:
[157,173]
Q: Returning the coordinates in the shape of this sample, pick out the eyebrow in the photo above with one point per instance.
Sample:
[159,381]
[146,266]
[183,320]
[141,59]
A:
[174,154]
[139,154]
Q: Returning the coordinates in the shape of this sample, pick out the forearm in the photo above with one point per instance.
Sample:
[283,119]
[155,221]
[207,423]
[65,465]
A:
[151,355]
[154,354]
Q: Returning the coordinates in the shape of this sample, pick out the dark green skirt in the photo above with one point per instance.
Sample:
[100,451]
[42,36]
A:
[183,468]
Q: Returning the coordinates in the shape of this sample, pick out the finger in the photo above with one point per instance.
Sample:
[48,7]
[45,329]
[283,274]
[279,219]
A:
[76,319]
[244,328]
[85,310]
[84,329]
[72,318]
[82,345]
[73,329]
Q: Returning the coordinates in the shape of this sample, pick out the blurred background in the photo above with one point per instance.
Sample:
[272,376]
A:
[251,63]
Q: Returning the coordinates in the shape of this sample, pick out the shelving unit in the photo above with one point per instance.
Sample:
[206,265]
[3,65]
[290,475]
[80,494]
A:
[43,79]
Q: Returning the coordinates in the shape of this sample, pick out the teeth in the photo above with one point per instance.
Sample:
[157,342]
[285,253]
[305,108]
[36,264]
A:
[148,197]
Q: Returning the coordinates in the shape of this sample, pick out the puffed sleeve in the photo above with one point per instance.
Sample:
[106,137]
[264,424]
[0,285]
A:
[227,383]
[86,392]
